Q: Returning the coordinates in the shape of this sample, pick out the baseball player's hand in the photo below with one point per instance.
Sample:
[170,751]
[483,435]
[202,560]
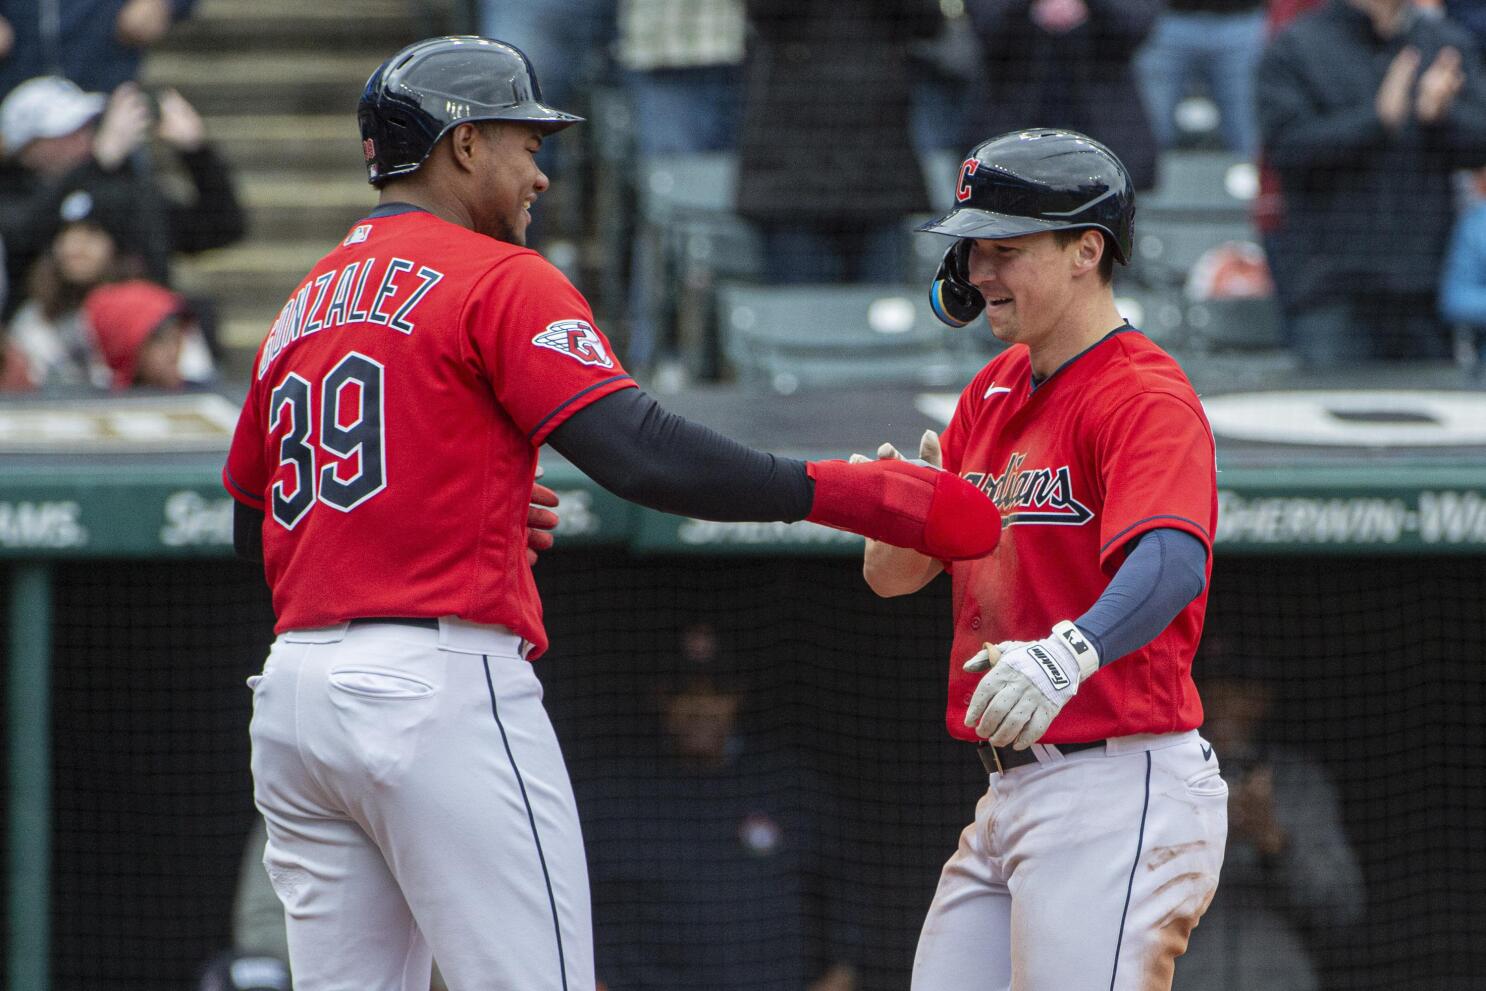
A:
[888,570]
[928,452]
[540,520]
[1027,685]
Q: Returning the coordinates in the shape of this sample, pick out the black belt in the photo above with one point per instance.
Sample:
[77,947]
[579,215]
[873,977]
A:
[998,760]
[424,622]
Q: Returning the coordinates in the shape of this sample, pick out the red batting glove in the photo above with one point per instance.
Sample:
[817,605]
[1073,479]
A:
[540,522]
[908,505]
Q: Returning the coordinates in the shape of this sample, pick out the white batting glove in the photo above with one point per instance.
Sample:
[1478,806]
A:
[1028,685]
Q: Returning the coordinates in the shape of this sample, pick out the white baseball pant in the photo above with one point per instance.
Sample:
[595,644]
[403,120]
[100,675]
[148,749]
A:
[1083,872]
[417,807]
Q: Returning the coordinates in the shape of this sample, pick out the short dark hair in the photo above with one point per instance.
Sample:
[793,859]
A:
[1106,261]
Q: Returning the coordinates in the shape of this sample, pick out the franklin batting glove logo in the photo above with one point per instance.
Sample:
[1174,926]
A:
[1049,666]
[576,339]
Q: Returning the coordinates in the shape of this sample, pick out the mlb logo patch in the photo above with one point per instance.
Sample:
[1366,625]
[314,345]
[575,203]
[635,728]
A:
[358,234]
[576,339]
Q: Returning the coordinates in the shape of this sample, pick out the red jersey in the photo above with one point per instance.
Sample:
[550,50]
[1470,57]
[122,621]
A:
[390,433]
[1113,444]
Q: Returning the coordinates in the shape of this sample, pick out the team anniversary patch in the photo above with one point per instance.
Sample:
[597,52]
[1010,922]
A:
[1034,495]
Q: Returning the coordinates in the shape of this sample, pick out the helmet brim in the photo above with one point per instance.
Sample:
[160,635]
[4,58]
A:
[548,119]
[970,222]
[974,223]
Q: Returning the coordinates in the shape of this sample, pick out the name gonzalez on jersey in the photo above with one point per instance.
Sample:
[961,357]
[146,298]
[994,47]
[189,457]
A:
[366,291]
[1032,495]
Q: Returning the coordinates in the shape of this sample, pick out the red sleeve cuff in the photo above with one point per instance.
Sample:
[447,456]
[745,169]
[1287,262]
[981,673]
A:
[576,402]
[239,493]
[1111,554]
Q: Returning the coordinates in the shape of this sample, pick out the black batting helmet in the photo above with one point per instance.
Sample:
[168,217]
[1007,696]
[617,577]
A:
[1026,182]
[415,97]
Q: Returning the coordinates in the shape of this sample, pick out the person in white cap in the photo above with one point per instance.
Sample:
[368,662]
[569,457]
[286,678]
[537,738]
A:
[66,140]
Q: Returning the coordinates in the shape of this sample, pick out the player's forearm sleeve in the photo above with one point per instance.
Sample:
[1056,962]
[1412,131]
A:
[247,532]
[1165,571]
[631,446]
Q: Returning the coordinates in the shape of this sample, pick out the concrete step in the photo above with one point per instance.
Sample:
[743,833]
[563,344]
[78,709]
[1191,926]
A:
[256,275]
[267,83]
[319,144]
[303,222]
[377,26]
[246,11]
[285,207]
[243,330]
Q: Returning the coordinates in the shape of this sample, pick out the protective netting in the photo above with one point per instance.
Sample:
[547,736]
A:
[817,837]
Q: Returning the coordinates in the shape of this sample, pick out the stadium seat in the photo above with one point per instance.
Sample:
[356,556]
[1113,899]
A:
[786,338]
[687,240]
[1157,313]
[1167,247]
[1235,324]
[1200,184]
[676,184]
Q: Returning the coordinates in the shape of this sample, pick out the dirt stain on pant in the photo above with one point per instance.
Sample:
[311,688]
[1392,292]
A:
[1175,928]
[1165,854]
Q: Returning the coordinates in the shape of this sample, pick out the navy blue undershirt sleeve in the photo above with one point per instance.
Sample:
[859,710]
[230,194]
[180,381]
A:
[247,532]
[1164,572]
[631,446]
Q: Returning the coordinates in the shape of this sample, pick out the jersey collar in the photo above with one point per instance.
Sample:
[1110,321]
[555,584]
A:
[392,210]
[1036,382]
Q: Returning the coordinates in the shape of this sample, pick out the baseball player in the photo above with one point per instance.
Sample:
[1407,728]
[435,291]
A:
[383,466]
[1098,844]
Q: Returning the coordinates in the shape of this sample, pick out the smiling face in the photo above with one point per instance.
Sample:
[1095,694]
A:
[1028,283]
[508,179]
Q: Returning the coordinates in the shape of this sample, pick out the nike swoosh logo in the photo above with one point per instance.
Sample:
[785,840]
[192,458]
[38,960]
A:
[993,390]
[1207,753]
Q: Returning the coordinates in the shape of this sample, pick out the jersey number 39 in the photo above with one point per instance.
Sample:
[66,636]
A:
[350,437]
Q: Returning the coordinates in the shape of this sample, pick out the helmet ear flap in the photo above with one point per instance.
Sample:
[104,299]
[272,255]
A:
[958,260]
[953,298]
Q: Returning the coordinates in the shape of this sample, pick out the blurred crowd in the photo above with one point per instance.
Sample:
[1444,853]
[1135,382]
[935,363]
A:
[1365,121]
[88,227]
